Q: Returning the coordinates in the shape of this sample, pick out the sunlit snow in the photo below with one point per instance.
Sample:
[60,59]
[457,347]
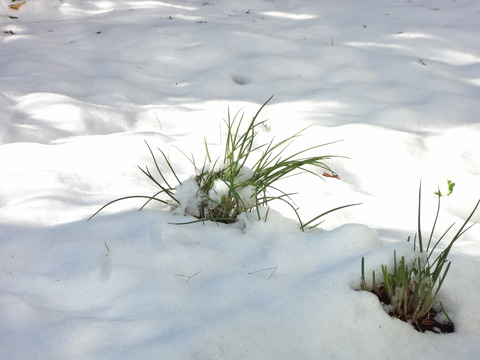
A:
[392,87]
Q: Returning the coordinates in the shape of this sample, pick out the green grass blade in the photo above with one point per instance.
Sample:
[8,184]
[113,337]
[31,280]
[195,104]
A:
[419,225]
[126,198]
[327,212]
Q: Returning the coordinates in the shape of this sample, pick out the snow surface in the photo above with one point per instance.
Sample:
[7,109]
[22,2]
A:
[85,83]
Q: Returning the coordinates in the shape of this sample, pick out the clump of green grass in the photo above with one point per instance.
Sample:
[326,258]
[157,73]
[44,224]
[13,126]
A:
[243,179]
[410,288]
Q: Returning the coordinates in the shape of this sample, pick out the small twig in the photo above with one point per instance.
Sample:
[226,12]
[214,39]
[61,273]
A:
[106,247]
[272,268]
[187,276]
[159,123]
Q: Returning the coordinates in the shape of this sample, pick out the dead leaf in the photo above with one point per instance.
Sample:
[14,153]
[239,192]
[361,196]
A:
[331,175]
[16,6]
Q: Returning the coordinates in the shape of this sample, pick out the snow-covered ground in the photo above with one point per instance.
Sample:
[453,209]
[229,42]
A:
[85,83]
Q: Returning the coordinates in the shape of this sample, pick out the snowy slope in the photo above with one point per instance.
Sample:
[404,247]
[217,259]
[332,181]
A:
[85,83]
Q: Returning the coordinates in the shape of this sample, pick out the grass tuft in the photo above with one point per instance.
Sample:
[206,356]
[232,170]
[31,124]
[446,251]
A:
[410,288]
[243,179]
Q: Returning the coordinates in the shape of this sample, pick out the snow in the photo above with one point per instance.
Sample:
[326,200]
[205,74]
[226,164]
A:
[187,196]
[86,83]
